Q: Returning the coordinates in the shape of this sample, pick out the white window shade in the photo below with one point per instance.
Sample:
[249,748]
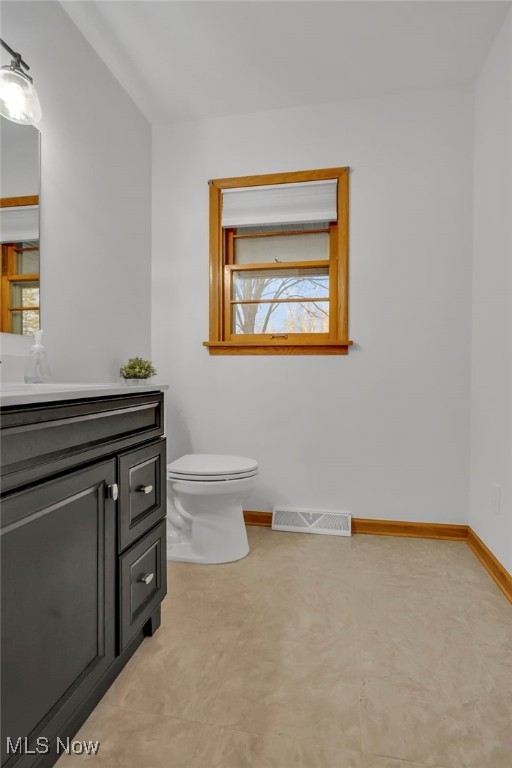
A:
[309,201]
[19,223]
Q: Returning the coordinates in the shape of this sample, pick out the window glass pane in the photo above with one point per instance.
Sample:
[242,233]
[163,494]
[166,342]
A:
[281,317]
[25,322]
[271,284]
[260,250]
[25,294]
[17,322]
[27,258]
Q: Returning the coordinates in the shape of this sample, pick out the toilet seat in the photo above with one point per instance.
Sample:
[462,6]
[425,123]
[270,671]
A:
[206,467]
[210,478]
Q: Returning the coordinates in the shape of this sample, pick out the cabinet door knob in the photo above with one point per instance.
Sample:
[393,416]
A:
[144,489]
[147,578]
[113,492]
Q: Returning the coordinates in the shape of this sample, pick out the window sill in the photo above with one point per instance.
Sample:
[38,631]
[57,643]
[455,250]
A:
[294,348]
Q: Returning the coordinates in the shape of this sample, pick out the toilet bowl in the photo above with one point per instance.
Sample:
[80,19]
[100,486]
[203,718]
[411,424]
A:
[205,522]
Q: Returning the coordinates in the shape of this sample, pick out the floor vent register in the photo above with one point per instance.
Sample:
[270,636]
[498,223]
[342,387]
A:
[312,521]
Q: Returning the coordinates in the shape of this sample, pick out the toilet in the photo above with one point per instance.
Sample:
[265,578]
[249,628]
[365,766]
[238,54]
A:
[206,493]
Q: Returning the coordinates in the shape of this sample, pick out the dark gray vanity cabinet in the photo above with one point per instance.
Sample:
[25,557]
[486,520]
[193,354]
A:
[82,560]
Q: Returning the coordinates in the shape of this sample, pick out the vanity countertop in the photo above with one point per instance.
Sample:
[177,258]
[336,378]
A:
[23,394]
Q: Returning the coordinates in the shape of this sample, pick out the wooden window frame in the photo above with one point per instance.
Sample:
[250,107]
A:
[8,275]
[16,202]
[336,341]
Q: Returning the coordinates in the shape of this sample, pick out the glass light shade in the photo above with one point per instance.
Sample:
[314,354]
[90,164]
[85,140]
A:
[18,98]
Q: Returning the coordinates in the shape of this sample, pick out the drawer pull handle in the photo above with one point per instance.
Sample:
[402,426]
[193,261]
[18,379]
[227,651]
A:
[112,492]
[147,578]
[144,489]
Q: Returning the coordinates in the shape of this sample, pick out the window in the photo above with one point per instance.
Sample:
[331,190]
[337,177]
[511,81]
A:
[279,264]
[20,287]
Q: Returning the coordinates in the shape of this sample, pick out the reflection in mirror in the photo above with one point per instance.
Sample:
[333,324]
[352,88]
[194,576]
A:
[19,228]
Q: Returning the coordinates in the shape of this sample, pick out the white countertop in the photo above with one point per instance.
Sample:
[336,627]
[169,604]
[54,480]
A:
[23,394]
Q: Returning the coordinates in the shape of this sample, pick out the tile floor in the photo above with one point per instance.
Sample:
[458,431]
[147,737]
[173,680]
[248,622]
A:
[319,652]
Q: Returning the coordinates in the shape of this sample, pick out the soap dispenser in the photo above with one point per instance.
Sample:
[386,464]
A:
[37,370]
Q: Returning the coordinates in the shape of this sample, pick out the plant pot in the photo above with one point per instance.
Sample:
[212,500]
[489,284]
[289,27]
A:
[136,382]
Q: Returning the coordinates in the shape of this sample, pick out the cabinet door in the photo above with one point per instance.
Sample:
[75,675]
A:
[58,599]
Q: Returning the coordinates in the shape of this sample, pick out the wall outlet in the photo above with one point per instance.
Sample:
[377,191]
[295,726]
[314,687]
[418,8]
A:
[496,499]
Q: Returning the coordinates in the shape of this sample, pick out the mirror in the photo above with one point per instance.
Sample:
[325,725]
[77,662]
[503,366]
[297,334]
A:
[19,227]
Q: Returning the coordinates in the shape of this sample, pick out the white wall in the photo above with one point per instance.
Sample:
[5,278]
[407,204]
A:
[383,432]
[491,412]
[95,200]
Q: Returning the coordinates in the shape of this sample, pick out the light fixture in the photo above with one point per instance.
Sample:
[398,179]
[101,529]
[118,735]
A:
[18,97]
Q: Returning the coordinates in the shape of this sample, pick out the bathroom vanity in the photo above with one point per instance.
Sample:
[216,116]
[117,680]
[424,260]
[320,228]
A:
[83,553]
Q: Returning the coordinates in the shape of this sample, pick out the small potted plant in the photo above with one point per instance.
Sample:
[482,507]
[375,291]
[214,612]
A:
[137,371]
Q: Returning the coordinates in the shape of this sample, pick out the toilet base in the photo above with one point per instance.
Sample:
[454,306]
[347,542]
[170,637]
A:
[182,552]
[205,521]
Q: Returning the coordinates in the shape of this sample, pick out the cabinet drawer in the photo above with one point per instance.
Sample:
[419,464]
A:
[142,581]
[142,481]
[44,439]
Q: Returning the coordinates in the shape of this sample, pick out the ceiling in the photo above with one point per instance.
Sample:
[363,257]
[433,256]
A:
[189,60]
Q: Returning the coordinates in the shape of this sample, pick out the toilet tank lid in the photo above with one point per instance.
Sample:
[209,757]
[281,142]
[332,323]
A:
[211,464]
